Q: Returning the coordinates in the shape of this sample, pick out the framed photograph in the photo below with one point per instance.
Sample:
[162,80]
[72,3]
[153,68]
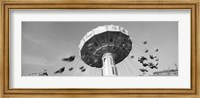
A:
[100,48]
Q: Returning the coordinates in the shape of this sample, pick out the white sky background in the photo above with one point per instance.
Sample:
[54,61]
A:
[44,44]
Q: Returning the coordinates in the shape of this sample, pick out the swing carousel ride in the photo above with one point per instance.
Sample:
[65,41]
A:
[108,50]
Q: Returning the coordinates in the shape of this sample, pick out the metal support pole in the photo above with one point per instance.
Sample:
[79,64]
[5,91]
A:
[109,68]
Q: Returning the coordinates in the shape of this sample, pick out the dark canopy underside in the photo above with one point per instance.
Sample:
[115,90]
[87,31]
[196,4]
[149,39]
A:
[117,43]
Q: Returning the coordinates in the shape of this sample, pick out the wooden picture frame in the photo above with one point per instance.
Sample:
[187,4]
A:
[100,4]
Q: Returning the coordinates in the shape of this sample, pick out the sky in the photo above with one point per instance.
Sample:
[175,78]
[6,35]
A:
[45,44]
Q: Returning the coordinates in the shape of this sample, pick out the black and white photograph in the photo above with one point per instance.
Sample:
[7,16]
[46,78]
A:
[100,48]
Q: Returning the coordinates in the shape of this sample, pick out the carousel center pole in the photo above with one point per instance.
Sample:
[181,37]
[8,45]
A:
[109,68]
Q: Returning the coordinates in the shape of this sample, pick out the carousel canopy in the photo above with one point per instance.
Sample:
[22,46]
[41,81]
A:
[105,39]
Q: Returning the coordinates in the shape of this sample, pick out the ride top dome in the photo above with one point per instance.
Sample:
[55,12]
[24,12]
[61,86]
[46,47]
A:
[110,39]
